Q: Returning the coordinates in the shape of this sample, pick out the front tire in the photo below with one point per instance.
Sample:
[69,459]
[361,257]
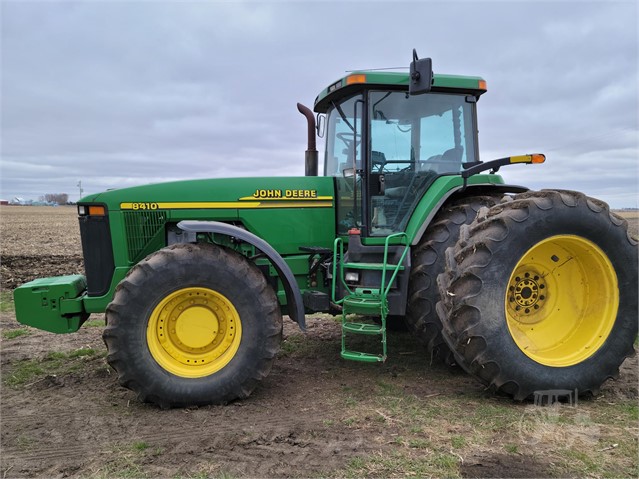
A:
[540,294]
[193,325]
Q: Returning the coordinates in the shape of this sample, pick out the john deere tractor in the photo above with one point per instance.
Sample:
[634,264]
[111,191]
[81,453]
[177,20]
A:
[525,290]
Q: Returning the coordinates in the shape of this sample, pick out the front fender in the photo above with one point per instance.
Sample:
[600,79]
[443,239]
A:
[293,294]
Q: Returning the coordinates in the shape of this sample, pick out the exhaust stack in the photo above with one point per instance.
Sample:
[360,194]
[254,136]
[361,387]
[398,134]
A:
[311,155]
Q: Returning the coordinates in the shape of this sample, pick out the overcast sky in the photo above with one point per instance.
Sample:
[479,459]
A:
[124,93]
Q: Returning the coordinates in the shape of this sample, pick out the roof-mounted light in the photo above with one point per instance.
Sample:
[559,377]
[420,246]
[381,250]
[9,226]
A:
[357,78]
[482,85]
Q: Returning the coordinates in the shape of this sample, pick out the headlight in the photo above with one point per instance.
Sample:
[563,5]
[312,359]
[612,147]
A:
[352,278]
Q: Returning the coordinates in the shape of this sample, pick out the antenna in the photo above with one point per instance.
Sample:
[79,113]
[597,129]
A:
[377,69]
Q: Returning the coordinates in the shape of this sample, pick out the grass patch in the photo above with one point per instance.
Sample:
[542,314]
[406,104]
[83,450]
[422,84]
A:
[78,353]
[458,442]
[140,446]
[630,409]
[94,323]
[126,461]
[25,443]
[582,463]
[295,345]
[6,302]
[15,333]
[398,464]
[54,363]
[497,416]
[419,443]
[624,412]
[25,371]
[55,355]
[121,467]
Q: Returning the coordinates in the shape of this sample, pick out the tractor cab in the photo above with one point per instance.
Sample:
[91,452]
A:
[385,146]
[388,140]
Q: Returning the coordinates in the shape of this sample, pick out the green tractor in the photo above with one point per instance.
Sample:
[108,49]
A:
[525,290]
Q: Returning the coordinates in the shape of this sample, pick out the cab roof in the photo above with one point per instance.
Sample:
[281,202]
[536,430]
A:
[358,80]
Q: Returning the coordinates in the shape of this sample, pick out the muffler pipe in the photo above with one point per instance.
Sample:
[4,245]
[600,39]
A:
[311,155]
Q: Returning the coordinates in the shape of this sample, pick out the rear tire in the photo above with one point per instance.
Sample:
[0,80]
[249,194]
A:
[541,294]
[428,262]
[193,325]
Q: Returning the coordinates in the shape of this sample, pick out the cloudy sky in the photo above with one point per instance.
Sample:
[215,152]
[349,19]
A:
[123,93]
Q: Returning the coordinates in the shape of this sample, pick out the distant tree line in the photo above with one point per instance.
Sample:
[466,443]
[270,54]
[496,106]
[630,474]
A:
[57,198]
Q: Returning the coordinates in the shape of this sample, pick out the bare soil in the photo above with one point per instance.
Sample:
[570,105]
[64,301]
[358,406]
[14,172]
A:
[313,416]
[38,241]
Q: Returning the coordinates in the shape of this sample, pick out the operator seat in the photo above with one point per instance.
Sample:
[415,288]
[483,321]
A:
[453,156]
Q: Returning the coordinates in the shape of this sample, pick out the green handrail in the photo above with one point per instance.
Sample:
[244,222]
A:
[336,243]
[339,245]
[383,288]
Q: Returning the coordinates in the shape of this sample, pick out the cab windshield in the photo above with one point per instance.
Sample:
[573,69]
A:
[409,142]
[414,139]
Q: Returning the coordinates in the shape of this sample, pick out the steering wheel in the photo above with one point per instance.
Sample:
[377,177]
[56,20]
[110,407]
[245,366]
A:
[350,139]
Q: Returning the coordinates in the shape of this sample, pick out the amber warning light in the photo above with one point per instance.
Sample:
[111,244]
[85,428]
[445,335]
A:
[532,158]
[92,210]
[352,79]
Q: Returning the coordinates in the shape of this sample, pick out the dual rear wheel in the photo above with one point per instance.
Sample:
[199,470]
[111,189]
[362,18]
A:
[538,292]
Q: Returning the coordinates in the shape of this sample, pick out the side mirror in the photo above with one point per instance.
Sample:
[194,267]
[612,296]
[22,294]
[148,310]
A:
[421,75]
[321,125]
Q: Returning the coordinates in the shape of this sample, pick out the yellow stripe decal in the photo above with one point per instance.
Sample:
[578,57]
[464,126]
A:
[318,198]
[297,203]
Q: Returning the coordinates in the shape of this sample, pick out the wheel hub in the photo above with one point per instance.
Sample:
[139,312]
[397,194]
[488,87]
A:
[526,292]
[194,332]
[196,327]
[562,300]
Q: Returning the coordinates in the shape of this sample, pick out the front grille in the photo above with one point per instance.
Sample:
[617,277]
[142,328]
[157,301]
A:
[98,253]
[140,227]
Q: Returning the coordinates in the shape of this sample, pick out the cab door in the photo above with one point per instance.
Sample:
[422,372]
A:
[344,160]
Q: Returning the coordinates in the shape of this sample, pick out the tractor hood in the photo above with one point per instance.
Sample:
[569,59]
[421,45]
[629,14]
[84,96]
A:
[221,194]
[287,212]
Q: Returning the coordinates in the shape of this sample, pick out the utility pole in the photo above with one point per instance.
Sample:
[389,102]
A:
[81,190]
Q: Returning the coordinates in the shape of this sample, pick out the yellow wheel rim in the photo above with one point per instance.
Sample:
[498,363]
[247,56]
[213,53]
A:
[194,332]
[562,300]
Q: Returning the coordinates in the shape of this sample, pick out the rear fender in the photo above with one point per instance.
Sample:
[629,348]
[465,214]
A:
[293,293]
